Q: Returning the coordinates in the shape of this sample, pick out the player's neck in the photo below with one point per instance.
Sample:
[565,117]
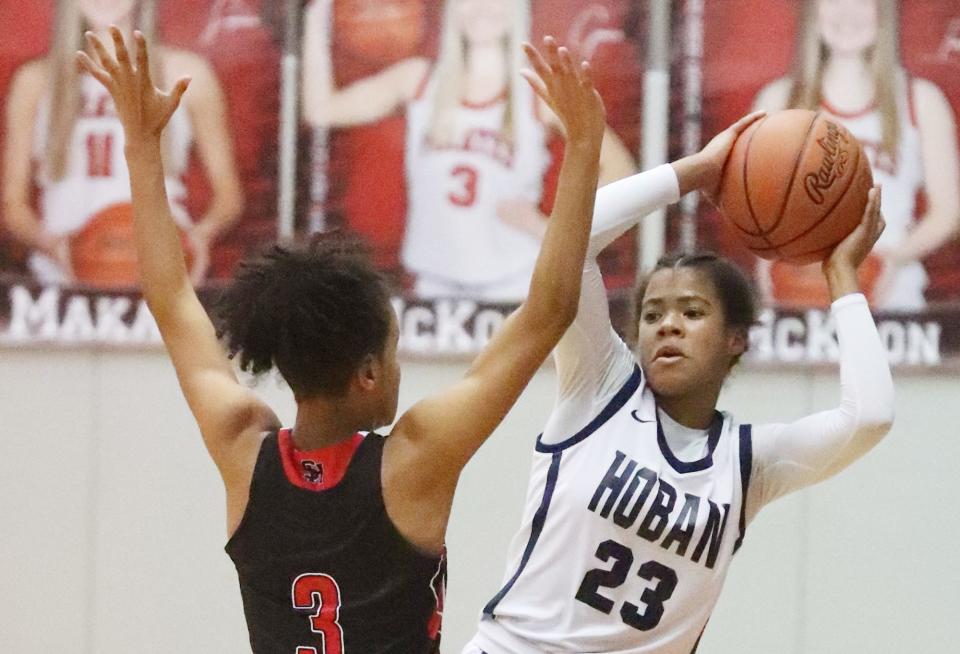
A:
[845,70]
[692,410]
[486,66]
[323,421]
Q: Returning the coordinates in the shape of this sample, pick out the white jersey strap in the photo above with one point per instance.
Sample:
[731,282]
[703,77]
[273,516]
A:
[615,404]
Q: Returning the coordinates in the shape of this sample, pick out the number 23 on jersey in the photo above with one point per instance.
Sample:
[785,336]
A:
[664,581]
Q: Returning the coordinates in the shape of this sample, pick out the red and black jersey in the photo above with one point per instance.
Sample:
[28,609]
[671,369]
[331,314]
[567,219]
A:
[322,568]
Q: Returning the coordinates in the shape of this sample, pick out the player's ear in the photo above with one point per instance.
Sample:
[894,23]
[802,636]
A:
[736,342]
[369,372]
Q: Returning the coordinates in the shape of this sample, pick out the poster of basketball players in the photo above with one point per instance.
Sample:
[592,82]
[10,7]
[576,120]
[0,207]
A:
[428,143]
[416,133]
[890,73]
[67,256]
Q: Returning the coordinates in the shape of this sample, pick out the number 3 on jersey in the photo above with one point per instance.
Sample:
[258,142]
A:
[320,594]
[665,582]
[464,190]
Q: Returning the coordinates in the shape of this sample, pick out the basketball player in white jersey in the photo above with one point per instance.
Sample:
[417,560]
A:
[641,491]
[64,136]
[475,152]
[847,67]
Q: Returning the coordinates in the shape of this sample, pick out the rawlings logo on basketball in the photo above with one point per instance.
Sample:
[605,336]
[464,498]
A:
[833,165]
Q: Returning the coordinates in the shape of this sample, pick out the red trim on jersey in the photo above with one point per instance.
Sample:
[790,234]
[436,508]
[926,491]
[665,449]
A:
[848,114]
[911,103]
[422,85]
[500,97]
[319,469]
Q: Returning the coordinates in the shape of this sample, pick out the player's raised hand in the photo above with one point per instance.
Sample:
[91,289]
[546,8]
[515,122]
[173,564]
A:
[840,268]
[714,154]
[853,249]
[143,109]
[568,90]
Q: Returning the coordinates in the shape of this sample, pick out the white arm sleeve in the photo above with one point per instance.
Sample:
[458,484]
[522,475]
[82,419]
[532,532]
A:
[788,457]
[592,361]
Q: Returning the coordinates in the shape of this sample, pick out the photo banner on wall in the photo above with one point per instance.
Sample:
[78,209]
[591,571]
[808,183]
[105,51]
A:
[447,172]
[449,178]
[427,143]
[68,270]
[890,73]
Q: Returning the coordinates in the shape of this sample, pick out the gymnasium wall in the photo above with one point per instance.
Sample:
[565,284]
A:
[112,518]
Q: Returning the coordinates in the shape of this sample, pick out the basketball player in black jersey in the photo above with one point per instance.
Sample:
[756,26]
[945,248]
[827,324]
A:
[338,539]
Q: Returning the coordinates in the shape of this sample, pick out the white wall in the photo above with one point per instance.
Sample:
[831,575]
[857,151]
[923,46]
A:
[112,518]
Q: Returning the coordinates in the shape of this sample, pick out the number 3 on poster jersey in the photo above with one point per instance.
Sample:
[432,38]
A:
[321,594]
[465,180]
[665,582]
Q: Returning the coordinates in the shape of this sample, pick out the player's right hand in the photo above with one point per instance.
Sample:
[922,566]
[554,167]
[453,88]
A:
[143,109]
[568,90]
[714,154]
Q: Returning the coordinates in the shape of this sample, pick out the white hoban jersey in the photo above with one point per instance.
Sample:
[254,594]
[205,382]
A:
[643,540]
[453,232]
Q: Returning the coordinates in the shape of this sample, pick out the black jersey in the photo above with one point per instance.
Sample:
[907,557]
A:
[326,572]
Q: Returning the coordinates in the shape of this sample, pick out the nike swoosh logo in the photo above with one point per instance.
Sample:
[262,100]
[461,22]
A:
[634,415]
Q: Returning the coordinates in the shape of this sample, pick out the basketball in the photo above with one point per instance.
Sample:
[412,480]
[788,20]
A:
[794,186]
[103,253]
[379,31]
[801,287]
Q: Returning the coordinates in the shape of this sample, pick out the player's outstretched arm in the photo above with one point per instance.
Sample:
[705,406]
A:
[794,455]
[224,409]
[436,437]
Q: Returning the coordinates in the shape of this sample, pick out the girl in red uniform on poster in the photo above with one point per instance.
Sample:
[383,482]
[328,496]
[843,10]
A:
[475,146]
[64,137]
[847,65]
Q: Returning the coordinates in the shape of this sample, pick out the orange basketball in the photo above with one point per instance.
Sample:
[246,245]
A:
[795,185]
[379,31]
[104,253]
[805,286]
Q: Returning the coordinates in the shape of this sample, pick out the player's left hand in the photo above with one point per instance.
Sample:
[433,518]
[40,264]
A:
[714,154]
[568,90]
[853,249]
[143,109]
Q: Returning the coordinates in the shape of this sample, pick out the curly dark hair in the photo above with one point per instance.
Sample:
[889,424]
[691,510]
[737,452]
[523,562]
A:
[731,284]
[312,311]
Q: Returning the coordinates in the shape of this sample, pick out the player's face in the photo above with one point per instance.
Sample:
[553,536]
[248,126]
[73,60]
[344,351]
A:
[683,339]
[483,21]
[848,27]
[100,14]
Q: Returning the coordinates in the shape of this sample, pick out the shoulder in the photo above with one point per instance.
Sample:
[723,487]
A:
[30,80]
[932,106]
[411,75]
[184,62]
[204,86]
[926,92]
[775,95]
[178,63]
